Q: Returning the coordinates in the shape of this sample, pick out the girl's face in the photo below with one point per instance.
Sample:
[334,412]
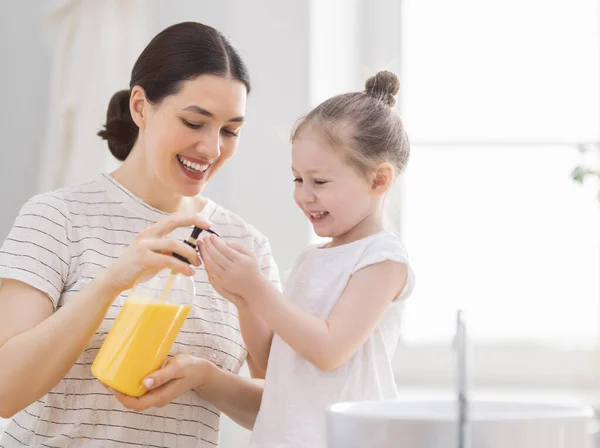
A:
[339,202]
[190,135]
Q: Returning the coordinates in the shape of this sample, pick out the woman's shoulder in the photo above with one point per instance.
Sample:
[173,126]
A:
[63,197]
[232,226]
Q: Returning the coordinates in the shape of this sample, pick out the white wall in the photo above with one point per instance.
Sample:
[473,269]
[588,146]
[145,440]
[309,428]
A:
[23,81]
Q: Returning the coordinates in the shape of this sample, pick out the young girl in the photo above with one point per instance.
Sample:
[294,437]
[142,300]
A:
[337,324]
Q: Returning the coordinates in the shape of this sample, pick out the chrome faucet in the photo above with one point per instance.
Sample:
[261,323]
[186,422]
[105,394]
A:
[460,346]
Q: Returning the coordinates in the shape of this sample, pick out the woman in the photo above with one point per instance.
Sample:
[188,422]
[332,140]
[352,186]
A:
[73,252]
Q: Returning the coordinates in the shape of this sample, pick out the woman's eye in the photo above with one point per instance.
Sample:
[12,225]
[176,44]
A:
[191,125]
[297,179]
[320,182]
[229,133]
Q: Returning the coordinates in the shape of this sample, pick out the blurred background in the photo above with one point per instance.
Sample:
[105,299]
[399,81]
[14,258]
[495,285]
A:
[499,207]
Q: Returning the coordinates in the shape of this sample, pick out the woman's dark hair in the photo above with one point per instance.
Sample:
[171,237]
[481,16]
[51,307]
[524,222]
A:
[179,53]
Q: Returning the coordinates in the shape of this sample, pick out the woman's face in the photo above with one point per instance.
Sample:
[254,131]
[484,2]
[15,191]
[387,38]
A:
[189,136]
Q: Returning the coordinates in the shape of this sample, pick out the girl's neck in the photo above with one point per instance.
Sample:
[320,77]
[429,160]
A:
[135,175]
[371,224]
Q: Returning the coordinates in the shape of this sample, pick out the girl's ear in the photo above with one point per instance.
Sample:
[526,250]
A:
[383,178]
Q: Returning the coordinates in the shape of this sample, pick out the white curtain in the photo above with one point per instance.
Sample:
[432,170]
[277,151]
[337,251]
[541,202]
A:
[93,46]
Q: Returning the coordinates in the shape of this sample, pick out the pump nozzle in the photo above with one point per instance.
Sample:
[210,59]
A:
[191,241]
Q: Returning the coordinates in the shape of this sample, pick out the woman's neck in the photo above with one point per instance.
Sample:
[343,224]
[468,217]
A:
[134,175]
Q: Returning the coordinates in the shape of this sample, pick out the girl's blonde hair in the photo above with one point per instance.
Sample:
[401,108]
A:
[364,124]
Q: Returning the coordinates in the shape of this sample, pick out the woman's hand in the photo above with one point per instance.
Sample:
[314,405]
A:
[179,374]
[152,251]
[232,268]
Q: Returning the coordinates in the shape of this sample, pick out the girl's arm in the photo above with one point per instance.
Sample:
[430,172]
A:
[257,336]
[256,333]
[327,344]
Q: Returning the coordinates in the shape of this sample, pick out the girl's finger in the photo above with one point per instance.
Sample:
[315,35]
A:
[217,257]
[209,264]
[225,249]
[241,248]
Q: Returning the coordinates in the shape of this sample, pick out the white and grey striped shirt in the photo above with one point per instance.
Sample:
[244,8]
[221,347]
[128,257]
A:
[59,242]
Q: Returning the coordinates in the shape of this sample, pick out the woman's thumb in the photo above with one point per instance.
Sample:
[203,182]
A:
[160,377]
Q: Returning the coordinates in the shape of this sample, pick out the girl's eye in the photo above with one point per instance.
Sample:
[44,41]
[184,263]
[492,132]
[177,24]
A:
[297,179]
[320,182]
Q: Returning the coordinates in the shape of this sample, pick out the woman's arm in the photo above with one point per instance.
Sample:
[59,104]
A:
[38,347]
[237,396]
[256,333]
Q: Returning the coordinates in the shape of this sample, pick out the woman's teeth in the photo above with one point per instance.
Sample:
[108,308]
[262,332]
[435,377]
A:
[191,166]
[318,215]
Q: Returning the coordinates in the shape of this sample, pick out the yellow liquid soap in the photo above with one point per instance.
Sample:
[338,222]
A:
[138,343]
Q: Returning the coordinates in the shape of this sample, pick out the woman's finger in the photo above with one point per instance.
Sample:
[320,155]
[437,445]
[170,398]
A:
[173,222]
[168,246]
[169,372]
[163,395]
[168,261]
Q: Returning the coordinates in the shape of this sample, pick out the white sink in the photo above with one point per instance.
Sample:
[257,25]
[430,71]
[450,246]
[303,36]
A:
[395,424]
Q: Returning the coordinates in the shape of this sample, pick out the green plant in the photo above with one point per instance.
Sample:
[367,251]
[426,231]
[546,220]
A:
[583,171]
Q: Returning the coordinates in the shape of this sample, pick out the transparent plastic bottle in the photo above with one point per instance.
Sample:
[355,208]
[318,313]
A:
[145,329]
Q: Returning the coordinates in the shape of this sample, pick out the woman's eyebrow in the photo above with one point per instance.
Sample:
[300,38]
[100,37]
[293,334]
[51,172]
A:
[206,113]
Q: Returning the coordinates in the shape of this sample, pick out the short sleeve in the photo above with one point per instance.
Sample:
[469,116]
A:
[383,248]
[266,262]
[36,251]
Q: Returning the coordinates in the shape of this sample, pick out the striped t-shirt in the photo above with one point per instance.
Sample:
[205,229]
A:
[59,242]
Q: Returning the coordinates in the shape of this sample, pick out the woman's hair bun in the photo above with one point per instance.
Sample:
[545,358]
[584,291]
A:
[120,131]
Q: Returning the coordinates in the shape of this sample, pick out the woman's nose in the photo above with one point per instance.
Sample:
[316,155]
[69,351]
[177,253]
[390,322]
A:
[210,146]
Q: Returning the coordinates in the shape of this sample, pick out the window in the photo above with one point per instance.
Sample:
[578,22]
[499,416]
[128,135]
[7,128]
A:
[497,97]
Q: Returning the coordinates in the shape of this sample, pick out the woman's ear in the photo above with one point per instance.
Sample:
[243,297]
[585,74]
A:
[383,178]
[138,106]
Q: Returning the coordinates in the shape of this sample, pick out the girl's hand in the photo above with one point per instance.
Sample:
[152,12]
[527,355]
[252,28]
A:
[232,268]
[152,251]
[179,374]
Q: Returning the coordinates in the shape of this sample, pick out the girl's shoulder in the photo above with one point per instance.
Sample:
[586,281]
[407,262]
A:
[386,243]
